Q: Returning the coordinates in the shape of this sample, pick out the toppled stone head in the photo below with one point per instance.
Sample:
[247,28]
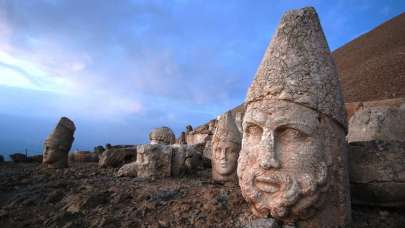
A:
[58,144]
[226,144]
[292,165]
[162,135]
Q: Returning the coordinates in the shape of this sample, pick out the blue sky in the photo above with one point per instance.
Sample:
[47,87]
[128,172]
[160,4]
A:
[120,68]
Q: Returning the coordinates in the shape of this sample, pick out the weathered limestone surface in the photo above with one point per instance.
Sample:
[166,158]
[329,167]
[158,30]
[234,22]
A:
[263,223]
[377,123]
[162,135]
[153,161]
[58,144]
[116,157]
[186,159]
[226,144]
[377,173]
[293,161]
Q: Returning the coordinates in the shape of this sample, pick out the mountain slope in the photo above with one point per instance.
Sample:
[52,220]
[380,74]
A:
[372,66]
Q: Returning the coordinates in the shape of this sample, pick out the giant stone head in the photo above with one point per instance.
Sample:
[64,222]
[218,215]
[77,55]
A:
[162,135]
[292,165]
[58,144]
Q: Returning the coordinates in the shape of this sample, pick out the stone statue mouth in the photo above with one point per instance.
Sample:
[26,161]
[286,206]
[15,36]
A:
[267,184]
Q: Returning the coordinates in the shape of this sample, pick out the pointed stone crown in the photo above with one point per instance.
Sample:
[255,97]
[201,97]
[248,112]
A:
[298,67]
[63,132]
[227,130]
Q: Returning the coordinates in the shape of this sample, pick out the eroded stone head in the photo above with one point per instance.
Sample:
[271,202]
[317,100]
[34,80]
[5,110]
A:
[58,144]
[226,144]
[292,161]
[162,135]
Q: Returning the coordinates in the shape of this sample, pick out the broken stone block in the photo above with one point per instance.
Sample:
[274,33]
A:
[153,161]
[377,123]
[186,159]
[377,173]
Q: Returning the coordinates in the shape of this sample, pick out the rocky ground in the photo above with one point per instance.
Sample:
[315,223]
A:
[87,196]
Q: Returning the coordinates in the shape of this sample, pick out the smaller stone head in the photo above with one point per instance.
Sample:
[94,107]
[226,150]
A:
[58,144]
[162,135]
[226,144]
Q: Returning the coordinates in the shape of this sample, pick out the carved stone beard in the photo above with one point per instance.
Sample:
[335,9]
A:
[297,197]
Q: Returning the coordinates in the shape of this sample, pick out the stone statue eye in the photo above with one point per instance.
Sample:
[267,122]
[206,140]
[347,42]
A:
[254,130]
[290,133]
[253,134]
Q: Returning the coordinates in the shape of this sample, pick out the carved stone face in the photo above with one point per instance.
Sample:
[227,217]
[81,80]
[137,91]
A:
[225,157]
[55,153]
[282,164]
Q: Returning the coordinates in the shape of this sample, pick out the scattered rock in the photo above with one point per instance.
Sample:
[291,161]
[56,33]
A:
[116,157]
[128,170]
[18,157]
[83,156]
[36,158]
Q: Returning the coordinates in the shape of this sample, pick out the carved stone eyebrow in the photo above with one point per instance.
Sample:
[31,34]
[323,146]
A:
[300,126]
[257,117]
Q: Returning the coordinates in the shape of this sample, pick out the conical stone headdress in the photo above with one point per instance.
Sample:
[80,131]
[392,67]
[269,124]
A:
[298,67]
[227,130]
[63,132]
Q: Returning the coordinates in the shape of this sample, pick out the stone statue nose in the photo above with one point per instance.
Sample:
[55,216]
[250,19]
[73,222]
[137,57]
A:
[268,158]
[222,155]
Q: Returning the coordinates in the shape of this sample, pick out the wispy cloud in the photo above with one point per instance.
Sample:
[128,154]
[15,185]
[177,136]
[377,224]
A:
[142,64]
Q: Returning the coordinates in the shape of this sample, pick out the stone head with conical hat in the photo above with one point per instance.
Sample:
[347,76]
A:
[58,144]
[292,165]
[226,144]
